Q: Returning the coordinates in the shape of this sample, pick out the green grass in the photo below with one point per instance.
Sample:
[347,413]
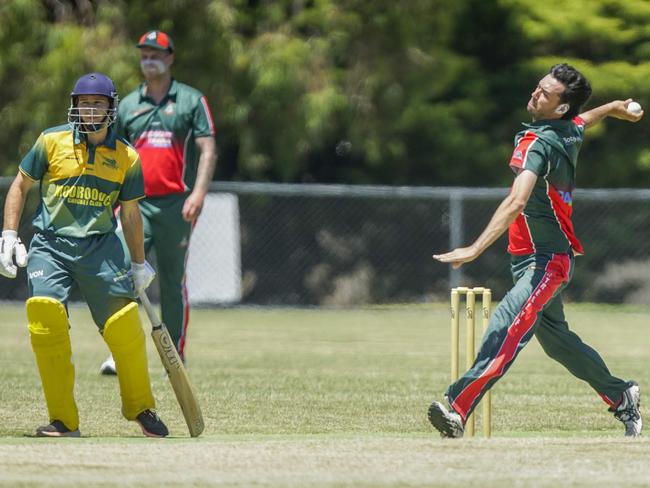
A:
[327,398]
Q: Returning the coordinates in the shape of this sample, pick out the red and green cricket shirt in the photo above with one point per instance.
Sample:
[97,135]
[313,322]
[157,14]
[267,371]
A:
[164,135]
[550,149]
[81,184]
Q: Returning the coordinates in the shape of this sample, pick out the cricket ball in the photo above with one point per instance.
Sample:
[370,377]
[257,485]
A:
[634,108]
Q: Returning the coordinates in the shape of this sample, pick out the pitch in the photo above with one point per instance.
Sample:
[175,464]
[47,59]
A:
[327,398]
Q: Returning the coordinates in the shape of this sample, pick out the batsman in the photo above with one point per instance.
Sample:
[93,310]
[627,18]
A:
[84,171]
[543,245]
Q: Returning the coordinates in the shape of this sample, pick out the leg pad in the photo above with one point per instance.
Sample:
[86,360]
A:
[125,338]
[48,332]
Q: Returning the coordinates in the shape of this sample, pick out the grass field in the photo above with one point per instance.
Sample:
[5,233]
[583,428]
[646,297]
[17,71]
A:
[320,398]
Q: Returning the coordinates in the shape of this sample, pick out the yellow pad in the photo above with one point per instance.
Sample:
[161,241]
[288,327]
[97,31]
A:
[48,331]
[125,338]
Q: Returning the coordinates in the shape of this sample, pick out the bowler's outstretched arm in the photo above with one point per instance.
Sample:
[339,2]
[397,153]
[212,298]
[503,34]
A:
[504,215]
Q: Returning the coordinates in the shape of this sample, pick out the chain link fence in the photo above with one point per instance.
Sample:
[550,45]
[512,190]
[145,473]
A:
[336,245]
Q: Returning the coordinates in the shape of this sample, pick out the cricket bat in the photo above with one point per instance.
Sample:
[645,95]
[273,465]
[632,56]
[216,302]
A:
[175,371]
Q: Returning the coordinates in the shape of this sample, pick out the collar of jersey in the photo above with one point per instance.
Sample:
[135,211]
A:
[547,123]
[171,93]
[546,131]
[109,142]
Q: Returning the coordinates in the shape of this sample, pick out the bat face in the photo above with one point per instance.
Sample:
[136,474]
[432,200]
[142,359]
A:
[175,370]
[171,359]
[179,380]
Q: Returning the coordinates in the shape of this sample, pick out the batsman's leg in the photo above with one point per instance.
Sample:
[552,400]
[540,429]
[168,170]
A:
[125,338]
[48,332]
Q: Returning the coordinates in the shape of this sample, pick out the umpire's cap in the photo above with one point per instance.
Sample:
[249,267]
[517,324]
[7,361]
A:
[156,40]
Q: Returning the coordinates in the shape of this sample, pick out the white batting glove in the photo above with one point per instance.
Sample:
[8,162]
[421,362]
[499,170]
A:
[143,274]
[10,246]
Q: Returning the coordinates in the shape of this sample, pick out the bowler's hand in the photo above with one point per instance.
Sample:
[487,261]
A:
[192,206]
[10,246]
[620,111]
[458,257]
[142,274]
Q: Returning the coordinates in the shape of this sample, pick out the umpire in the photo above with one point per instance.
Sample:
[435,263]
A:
[170,125]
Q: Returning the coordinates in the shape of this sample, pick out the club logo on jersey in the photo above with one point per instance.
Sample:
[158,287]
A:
[83,195]
[111,163]
[517,155]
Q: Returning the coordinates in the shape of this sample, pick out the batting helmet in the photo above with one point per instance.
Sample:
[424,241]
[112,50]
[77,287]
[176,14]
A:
[93,84]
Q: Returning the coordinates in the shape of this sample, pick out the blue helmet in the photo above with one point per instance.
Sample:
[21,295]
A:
[93,84]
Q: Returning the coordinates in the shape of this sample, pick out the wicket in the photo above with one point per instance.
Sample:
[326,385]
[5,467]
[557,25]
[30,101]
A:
[470,347]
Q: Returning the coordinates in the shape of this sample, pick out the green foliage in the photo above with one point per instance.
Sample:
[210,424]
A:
[418,92]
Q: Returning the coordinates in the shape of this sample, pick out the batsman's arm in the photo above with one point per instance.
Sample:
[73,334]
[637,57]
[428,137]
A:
[616,109]
[133,230]
[15,201]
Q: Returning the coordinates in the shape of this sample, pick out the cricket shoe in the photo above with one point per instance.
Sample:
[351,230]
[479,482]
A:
[151,424]
[108,366]
[628,410]
[56,429]
[447,422]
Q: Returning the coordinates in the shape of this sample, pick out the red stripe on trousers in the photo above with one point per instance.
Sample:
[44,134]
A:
[610,402]
[186,302]
[556,273]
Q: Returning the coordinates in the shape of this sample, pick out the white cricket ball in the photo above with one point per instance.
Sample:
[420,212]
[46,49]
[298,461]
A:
[634,108]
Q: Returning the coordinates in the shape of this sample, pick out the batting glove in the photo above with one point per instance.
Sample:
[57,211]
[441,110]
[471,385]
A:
[10,246]
[143,274]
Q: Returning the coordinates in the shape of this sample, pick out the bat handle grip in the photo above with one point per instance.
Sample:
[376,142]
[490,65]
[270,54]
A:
[144,299]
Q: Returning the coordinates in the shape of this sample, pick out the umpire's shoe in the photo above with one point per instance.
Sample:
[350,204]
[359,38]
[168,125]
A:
[151,424]
[447,422]
[56,429]
[108,366]
[628,410]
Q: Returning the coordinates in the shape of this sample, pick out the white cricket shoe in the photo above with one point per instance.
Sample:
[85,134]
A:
[628,410]
[447,422]
[108,366]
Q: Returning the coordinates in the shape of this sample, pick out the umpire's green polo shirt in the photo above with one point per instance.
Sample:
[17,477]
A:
[164,135]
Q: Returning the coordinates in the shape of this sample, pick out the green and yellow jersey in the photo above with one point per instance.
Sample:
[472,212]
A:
[81,184]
